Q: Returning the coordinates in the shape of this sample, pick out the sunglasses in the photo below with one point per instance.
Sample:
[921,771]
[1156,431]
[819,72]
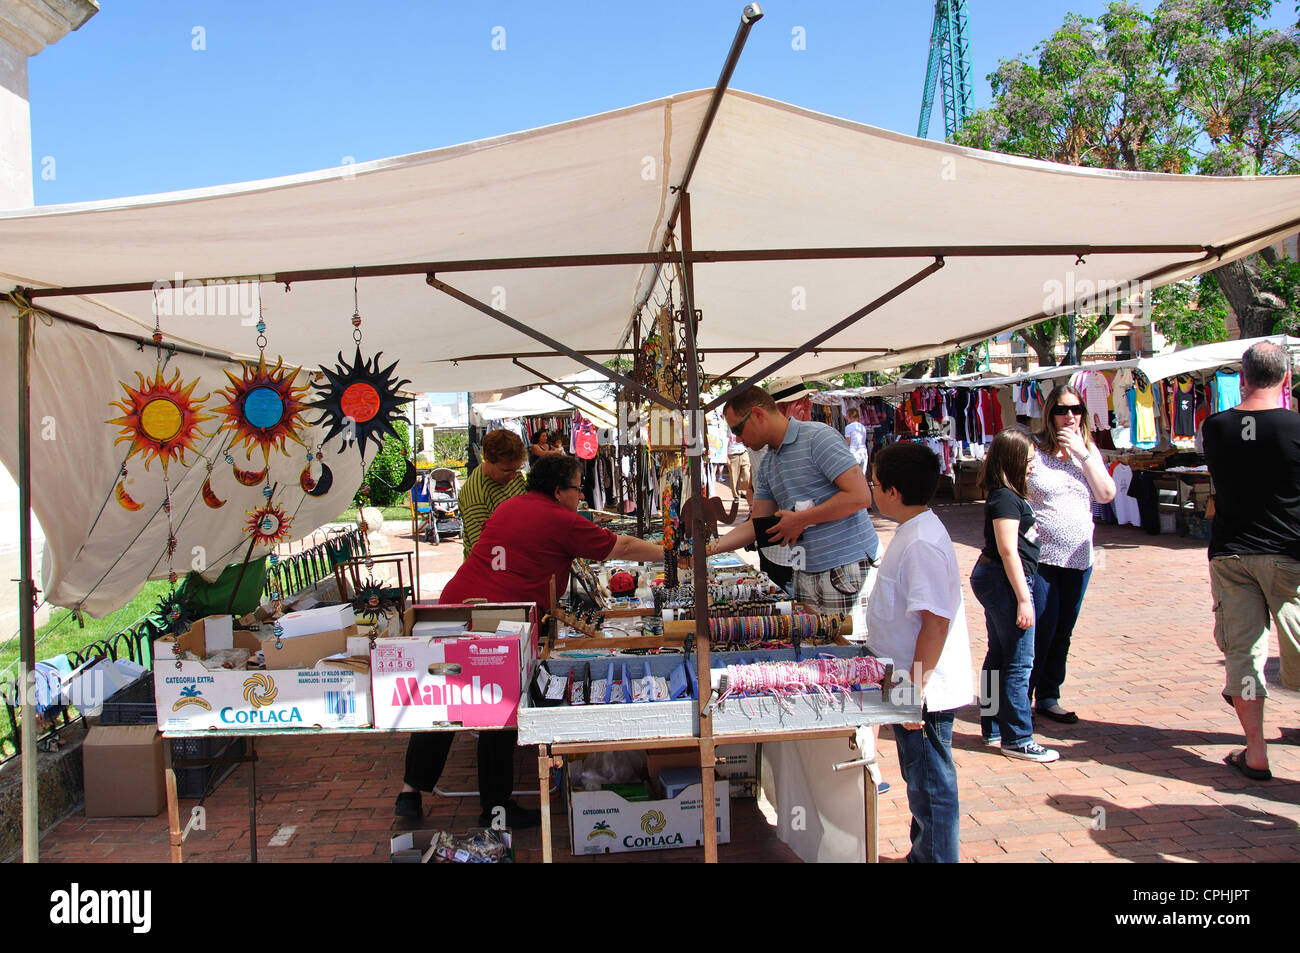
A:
[1061,410]
[739,426]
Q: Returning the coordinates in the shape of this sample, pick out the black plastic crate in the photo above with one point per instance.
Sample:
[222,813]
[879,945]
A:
[132,705]
[135,705]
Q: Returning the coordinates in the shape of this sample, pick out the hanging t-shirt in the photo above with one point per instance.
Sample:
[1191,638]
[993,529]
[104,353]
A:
[1142,410]
[1184,402]
[1096,397]
[1119,388]
[1227,390]
[1126,508]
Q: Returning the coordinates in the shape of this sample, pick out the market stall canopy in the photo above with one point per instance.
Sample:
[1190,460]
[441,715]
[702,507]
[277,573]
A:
[586,392]
[1189,360]
[798,220]
[770,176]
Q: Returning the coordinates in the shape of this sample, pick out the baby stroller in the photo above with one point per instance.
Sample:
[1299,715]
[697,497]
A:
[434,497]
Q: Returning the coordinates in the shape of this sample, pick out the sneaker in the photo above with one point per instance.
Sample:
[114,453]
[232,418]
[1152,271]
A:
[517,818]
[882,787]
[408,805]
[1031,752]
[993,741]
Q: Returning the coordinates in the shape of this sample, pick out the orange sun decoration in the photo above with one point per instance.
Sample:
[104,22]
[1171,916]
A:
[264,408]
[268,525]
[160,419]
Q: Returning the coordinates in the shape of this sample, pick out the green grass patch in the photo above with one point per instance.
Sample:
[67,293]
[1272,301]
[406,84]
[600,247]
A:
[62,634]
[393,514]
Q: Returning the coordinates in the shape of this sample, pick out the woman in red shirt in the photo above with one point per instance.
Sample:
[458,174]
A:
[527,541]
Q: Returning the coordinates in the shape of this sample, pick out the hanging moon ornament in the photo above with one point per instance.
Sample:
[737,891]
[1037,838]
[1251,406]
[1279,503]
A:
[210,498]
[250,477]
[319,486]
[124,498]
[408,478]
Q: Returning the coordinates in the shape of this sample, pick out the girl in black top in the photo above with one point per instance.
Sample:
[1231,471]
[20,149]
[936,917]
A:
[1002,583]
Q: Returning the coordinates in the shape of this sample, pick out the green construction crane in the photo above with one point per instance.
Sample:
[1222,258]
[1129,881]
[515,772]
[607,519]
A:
[949,61]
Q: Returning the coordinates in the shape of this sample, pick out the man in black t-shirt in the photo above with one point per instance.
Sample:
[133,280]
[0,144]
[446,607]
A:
[1253,452]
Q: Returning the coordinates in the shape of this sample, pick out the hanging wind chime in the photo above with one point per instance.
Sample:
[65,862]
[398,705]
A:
[161,420]
[359,401]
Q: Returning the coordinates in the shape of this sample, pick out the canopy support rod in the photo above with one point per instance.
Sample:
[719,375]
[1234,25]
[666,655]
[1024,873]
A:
[569,391]
[748,17]
[1043,315]
[830,332]
[640,258]
[701,351]
[731,373]
[27,596]
[536,335]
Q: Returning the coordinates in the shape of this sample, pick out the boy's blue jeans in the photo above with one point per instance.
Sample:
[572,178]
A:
[925,759]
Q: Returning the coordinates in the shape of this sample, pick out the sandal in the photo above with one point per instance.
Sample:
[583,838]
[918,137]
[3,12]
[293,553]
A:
[1237,759]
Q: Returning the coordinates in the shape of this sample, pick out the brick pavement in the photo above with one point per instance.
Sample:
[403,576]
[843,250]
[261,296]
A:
[1140,777]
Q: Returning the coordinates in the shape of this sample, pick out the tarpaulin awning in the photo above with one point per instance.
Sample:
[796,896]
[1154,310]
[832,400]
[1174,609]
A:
[798,219]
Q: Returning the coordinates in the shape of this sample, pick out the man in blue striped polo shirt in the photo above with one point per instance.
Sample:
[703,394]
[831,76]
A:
[811,481]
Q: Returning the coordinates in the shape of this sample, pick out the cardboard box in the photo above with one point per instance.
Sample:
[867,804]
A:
[486,690]
[321,619]
[123,767]
[190,696]
[472,681]
[736,763]
[305,650]
[601,822]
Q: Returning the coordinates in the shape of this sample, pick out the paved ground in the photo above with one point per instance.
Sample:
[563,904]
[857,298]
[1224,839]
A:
[1140,778]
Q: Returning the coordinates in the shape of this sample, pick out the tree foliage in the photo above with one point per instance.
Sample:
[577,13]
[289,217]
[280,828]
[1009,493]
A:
[1194,86]
[379,488]
[1191,311]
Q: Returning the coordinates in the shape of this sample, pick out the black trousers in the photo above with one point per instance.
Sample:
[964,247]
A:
[426,756]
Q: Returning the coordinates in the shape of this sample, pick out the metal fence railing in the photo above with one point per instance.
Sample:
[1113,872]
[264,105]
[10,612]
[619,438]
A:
[290,575]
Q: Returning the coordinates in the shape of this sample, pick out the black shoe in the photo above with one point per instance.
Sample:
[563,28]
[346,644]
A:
[1063,716]
[408,805]
[517,818]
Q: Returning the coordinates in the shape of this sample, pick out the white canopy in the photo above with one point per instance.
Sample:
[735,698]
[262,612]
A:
[1189,360]
[590,387]
[770,176]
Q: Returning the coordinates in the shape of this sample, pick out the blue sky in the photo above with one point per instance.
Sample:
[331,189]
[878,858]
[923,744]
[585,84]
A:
[128,106]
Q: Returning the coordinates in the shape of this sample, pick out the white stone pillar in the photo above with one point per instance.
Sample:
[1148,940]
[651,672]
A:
[26,28]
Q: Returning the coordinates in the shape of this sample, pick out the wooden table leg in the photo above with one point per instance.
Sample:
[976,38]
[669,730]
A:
[544,764]
[173,805]
[871,801]
[252,800]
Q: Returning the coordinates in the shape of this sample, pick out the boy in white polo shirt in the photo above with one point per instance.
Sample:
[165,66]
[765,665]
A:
[916,617]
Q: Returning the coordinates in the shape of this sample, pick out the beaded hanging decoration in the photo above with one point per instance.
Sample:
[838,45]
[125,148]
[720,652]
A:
[822,676]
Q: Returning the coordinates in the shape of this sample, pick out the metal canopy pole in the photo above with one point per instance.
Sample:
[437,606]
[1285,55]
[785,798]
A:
[699,447]
[568,391]
[536,335]
[27,597]
[831,332]
[748,17]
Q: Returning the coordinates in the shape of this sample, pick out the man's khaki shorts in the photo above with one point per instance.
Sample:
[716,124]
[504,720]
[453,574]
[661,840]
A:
[1250,594]
[738,470]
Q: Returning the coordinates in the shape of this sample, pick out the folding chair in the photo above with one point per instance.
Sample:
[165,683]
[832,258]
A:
[421,507]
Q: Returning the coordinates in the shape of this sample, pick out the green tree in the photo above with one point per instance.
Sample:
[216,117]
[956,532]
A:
[386,470]
[1195,86]
[1191,311]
